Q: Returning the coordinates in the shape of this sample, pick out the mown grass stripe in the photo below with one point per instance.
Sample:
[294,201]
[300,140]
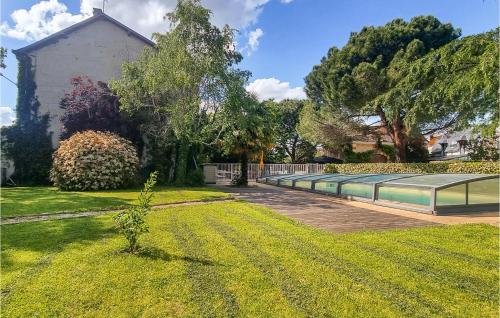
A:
[444,246]
[209,292]
[468,236]
[257,296]
[433,234]
[488,264]
[25,276]
[479,249]
[408,244]
[295,292]
[388,290]
[89,276]
[488,295]
[472,285]
[334,278]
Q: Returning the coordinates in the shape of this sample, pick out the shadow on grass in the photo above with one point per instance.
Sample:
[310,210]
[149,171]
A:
[50,236]
[36,200]
[154,253]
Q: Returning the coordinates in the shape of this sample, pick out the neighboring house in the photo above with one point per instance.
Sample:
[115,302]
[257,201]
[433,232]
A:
[362,143]
[95,47]
[449,146]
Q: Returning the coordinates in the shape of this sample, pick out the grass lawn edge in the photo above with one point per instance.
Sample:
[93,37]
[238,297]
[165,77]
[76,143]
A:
[114,208]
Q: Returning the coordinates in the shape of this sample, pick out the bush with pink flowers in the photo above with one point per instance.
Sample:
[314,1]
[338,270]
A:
[93,160]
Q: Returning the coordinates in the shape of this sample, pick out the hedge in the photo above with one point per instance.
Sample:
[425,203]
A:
[482,167]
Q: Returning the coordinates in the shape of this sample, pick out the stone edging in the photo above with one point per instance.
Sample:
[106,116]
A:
[69,214]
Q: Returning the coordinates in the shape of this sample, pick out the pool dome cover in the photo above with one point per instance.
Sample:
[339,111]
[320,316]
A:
[431,193]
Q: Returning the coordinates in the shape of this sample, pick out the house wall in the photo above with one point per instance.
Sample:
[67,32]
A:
[96,50]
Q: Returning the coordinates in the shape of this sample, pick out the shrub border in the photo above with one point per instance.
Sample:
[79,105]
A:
[473,167]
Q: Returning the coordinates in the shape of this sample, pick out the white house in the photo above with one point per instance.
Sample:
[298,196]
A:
[95,47]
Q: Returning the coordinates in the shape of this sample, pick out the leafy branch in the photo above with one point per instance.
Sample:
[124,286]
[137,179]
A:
[131,222]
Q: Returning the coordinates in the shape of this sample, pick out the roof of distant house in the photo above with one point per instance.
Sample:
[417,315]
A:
[98,15]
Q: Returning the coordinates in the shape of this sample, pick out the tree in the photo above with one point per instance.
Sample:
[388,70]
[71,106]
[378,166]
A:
[3,56]
[453,87]
[245,128]
[179,85]
[27,143]
[327,126]
[357,80]
[288,142]
[91,106]
[131,222]
[484,149]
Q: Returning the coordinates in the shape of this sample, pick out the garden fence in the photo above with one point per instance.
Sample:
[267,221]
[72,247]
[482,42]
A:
[228,171]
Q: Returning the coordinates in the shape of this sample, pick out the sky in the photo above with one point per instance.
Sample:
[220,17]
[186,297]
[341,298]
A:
[281,40]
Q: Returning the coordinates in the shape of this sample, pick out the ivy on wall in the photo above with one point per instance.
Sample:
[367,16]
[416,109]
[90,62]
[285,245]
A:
[27,143]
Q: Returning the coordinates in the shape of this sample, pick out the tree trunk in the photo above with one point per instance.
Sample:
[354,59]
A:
[294,149]
[181,164]
[291,149]
[244,169]
[397,132]
[400,142]
[172,167]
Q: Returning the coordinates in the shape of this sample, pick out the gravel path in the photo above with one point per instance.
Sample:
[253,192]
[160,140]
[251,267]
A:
[69,215]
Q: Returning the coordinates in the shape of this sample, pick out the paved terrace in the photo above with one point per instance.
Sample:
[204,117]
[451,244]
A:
[339,215]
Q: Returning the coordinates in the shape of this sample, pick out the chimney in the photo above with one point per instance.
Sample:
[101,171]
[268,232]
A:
[97,11]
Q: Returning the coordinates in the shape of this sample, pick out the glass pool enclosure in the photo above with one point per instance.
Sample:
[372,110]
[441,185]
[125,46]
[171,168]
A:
[430,193]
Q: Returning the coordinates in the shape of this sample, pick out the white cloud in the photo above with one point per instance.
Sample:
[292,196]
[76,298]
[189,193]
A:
[286,1]
[7,116]
[266,88]
[253,39]
[144,16]
[238,14]
[42,19]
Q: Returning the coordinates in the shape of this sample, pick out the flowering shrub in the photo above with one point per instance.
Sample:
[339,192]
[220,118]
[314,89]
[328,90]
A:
[92,160]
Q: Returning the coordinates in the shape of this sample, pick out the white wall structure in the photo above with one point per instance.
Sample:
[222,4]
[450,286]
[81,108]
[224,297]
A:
[95,47]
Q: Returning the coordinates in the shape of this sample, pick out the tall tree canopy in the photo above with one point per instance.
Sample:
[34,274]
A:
[179,86]
[327,126]
[288,144]
[414,76]
[245,126]
[453,86]
[27,142]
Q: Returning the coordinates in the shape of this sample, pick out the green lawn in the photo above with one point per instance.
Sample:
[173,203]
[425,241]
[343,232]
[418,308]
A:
[235,259]
[36,200]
